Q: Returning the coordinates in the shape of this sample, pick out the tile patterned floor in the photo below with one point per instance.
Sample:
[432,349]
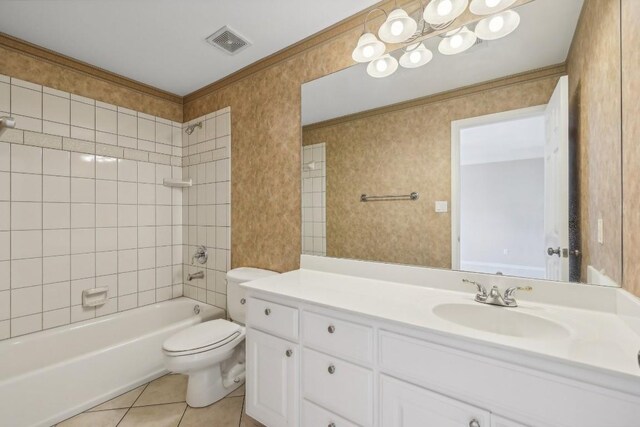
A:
[161,403]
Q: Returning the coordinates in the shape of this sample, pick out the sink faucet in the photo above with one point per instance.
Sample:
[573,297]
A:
[493,297]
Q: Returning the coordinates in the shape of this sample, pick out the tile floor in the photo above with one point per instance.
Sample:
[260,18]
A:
[161,403]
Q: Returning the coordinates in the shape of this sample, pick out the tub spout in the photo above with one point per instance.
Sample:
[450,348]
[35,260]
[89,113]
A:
[198,275]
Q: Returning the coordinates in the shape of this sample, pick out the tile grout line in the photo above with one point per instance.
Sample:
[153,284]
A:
[134,402]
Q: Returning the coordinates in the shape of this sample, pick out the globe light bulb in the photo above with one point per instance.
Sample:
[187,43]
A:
[456,41]
[444,7]
[381,66]
[397,28]
[415,57]
[368,51]
[496,24]
[492,3]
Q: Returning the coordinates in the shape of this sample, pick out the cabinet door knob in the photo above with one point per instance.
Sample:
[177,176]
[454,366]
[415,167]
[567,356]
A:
[331,329]
[474,423]
[332,369]
[267,311]
[243,301]
[289,353]
[332,425]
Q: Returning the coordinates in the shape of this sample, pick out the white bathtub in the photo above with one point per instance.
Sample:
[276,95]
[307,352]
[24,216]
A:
[52,375]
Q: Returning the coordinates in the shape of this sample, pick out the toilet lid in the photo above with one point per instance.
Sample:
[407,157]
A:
[202,335]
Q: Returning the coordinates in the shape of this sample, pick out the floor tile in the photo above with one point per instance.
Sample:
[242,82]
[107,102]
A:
[123,401]
[237,392]
[167,389]
[95,419]
[247,421]
[224,413]
[168,415]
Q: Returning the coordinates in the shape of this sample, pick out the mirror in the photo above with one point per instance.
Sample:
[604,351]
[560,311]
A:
[502,159]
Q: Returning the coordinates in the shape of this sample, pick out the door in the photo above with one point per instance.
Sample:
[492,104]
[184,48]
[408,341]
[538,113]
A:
[405,405]
[556,181]
[272,380]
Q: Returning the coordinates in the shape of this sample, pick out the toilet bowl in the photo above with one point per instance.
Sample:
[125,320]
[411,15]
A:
[212,353]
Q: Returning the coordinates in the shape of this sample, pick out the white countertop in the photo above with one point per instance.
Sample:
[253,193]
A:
[599,341]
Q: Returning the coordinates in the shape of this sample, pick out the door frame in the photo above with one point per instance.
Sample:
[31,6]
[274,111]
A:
[456,127]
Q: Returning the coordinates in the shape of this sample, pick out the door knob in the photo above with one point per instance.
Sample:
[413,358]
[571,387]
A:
[474,423]
[267,311]
[331,369]
[289,353]
[243,301]
[552,252]
[331,329]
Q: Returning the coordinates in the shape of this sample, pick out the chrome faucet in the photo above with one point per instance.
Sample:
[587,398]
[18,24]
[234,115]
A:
[198,275]
[493,297]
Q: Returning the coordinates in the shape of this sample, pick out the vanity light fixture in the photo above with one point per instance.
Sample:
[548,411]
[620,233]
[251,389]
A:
[398,27]
[415,55]
[489,7]
[440,12]
[383,66]
[457,41]
[498,26]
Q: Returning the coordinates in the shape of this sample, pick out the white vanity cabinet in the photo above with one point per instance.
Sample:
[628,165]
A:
[313,366]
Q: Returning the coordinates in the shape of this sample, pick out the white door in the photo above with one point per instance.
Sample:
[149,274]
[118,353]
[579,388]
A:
[556,194]
[405,405]
[272,380]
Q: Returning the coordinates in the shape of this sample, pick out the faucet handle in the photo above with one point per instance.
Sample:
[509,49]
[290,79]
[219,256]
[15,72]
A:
[482,291]
[508,294]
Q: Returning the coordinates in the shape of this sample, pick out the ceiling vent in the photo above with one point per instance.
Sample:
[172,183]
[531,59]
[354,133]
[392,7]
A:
[228,41]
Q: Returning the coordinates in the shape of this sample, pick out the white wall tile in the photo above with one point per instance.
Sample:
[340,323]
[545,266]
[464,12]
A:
[56,242]
[26,159]
[83,190]
[83,240]
[26,272]
[106,120]
[127,125]
[107,215]
[55,318]
[56,162]
[5,97]
[83,215]
[106,263]
[83,165]
[56,296]
[106,239]
[26,102]
[127,170]
[106,191]
[26,325]
[58,129]
[26,244]
[26,216]
[54,215]
[26,187]
[82,115]
[106,168]
[56,109]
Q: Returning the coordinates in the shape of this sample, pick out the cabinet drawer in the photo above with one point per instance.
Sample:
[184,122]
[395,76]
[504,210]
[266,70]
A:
[405,405]
[315,416]
[338,337]
[271,317]
[339,386]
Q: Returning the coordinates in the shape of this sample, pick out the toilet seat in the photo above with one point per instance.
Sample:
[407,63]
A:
[202,337]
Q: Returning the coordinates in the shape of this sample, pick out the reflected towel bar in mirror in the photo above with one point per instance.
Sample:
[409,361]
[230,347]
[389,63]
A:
[413,196]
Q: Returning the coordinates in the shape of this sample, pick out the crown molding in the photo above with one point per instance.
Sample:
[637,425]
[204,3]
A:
[26,48]
[528,76]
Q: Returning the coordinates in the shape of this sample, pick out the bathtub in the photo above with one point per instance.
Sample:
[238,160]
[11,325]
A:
[52,375]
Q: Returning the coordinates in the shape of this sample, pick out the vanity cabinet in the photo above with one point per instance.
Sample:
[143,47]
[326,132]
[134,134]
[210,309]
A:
[272,379]
[314,366]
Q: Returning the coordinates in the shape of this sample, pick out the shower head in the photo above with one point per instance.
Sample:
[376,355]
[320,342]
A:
[7,122]
[189,130]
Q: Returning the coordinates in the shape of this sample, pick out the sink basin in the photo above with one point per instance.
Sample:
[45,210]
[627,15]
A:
[500,320]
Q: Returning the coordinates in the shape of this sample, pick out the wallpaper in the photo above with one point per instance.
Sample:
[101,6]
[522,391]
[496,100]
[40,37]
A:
[595,108]
[631,147]
[415,155]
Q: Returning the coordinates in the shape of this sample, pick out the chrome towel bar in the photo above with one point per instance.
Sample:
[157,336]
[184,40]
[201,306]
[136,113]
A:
[413,196]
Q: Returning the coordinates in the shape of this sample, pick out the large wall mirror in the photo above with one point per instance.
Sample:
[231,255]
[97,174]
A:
[504,158]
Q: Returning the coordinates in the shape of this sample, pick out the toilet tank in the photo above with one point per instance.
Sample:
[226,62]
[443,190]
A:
[235,294]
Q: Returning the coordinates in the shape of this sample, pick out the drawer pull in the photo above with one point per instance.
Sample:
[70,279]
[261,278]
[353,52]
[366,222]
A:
[243,301]
[331,329]
[332,370]
[474,423]
[267,311]
[289,353]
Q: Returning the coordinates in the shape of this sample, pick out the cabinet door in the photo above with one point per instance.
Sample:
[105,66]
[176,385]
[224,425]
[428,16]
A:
[497,421]
[272,380]
[405,405]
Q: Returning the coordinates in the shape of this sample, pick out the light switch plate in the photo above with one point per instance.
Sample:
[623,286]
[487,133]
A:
[442,206]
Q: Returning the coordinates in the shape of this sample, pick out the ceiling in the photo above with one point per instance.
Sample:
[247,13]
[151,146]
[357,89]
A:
[542,39]
[162,42]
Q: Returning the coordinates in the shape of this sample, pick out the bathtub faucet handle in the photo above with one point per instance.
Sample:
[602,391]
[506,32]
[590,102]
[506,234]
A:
[201,255]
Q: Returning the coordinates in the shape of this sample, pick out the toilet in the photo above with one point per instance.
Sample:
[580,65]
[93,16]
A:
[212,353]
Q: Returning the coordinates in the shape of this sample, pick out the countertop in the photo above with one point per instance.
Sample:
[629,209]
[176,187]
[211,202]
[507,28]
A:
[601,345]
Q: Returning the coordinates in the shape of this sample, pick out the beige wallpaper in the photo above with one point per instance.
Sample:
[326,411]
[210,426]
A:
[631,143]
[367,155]
[595,107]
